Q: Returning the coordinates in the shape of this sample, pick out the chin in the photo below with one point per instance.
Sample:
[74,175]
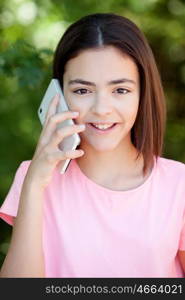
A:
[103,147]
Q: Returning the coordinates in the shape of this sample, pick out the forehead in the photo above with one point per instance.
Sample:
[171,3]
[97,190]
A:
[99,64]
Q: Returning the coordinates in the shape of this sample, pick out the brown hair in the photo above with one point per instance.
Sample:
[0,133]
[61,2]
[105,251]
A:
[104,29]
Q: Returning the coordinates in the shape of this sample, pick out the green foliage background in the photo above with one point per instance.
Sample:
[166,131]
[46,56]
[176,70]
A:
[29,32]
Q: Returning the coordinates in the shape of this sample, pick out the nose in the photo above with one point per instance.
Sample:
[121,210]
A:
[102,105]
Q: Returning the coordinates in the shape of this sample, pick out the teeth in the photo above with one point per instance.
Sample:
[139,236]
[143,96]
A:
[102,126]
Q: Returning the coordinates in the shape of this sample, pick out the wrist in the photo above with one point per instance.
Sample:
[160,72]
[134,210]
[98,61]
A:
[33,185]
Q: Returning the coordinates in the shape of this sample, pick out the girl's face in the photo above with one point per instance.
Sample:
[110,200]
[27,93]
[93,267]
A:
[103,85]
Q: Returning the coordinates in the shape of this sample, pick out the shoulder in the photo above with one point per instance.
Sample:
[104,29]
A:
[25,164]
[23,167]
[22,170]
[171,168]
[171,164]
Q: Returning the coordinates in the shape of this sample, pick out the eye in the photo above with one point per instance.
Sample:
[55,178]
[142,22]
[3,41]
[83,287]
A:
[80,91]
[122,91]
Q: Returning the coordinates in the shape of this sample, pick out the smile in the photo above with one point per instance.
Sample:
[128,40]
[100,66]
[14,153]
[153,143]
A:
[102,128]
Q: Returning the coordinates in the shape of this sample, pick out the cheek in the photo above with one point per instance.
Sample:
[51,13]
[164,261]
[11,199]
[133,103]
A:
[75,103]
[133,111]
[134,105]
[129,110]
[72,104]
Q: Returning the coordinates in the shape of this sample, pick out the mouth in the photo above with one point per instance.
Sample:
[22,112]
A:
[102,130]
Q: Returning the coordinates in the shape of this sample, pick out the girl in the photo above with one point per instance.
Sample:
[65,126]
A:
[118,211]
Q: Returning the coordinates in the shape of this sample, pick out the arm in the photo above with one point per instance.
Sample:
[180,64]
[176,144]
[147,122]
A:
[25,254]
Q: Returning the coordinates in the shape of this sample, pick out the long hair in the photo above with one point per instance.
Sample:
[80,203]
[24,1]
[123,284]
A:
[108,29]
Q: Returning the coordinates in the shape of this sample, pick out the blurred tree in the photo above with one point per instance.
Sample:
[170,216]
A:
[29,32]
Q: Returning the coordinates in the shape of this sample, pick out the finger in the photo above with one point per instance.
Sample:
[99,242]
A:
[50,127]
[61,133]
[74,153]
[58,156]
[52,107]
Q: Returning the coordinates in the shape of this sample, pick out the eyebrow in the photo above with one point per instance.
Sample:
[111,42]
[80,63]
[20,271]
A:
[116,81]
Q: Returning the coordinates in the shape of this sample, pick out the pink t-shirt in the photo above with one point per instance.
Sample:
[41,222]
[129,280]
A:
[92,231]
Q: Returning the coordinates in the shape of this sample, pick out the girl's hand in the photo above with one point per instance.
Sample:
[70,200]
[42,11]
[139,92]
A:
[47,154]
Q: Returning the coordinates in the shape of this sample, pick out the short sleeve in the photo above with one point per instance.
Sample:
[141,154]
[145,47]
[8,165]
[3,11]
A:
[10,205]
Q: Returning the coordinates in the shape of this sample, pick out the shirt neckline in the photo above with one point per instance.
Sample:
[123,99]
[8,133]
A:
[101,188]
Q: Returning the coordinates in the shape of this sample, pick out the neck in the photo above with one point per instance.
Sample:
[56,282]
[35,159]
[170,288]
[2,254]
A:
[109,166]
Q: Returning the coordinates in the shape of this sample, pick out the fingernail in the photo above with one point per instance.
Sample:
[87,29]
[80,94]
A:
[75,113]
[81,126]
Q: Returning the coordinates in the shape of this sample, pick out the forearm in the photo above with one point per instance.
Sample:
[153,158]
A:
[25,255]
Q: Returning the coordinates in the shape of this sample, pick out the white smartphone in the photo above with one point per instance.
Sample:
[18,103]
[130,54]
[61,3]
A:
[70,142]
